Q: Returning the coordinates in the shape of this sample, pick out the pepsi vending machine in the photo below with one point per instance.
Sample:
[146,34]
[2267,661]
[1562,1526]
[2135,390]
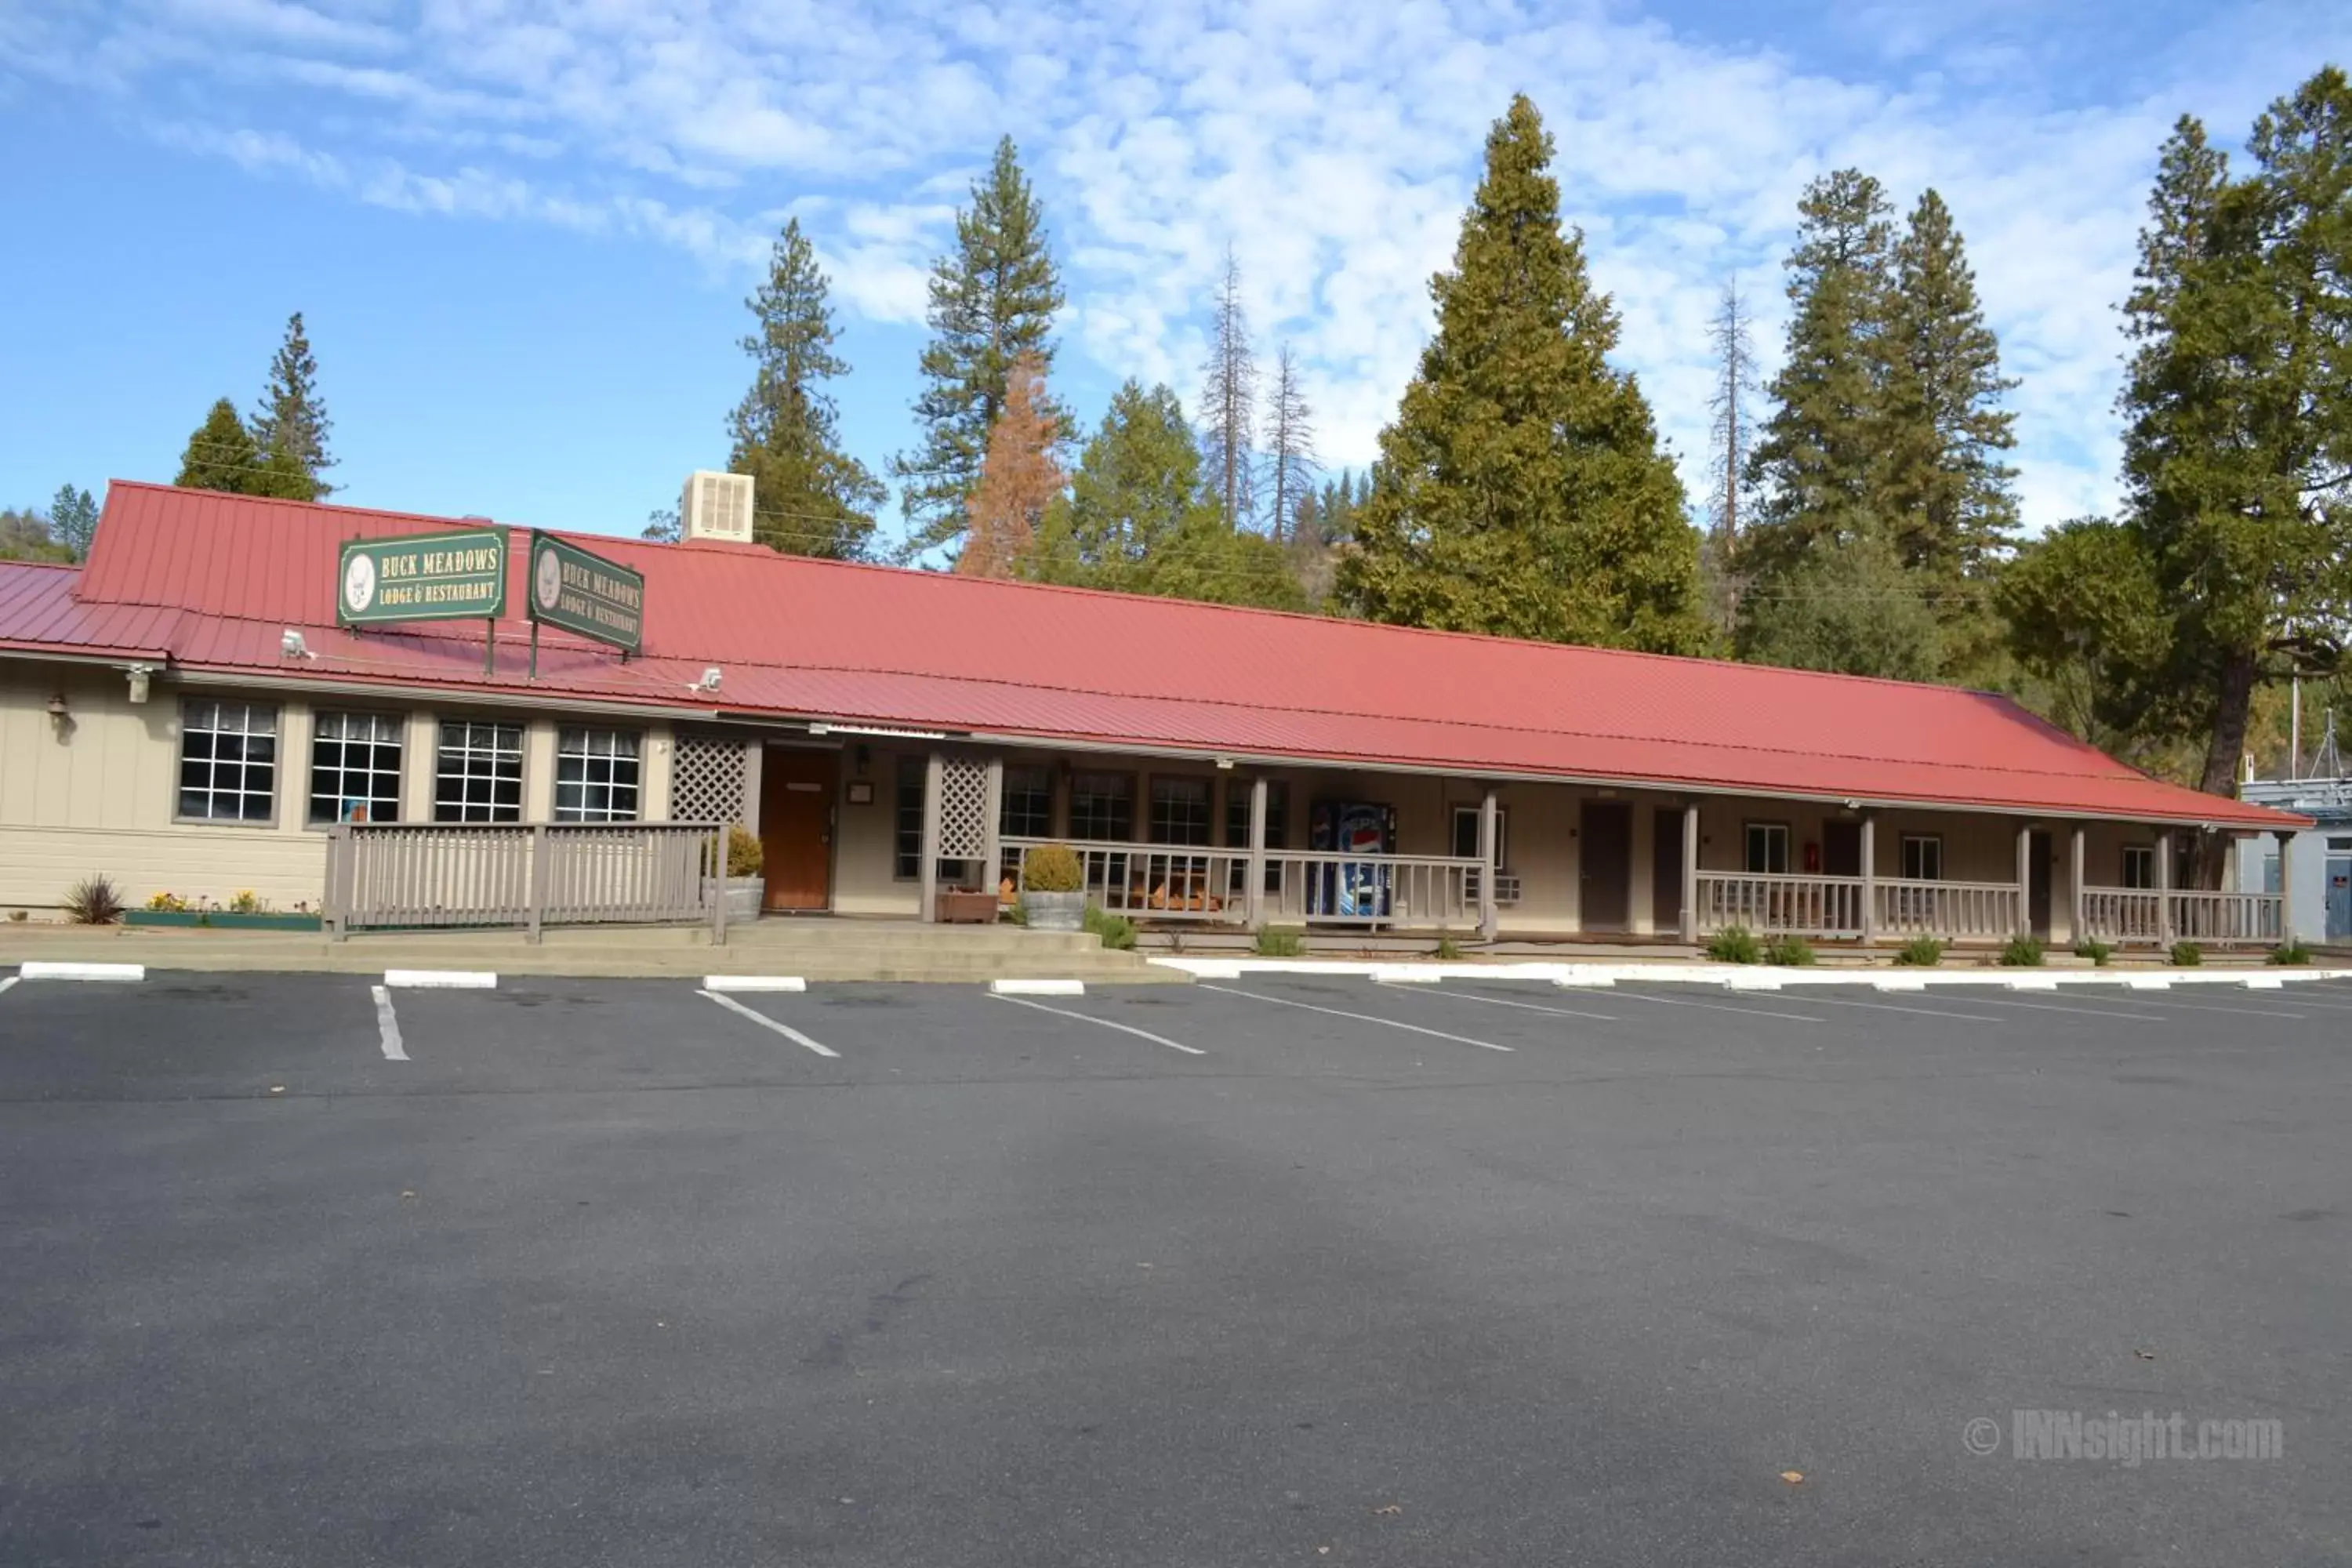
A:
[1345,827]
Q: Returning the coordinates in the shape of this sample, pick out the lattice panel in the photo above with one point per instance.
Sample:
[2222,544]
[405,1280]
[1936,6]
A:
[706,781]
[963,809]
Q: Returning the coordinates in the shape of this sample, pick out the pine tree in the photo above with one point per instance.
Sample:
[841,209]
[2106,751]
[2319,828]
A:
[1138,517]
[1948,499]
[1821,452]
[2238,449]
[73,520]
[809,497]
[291,423]
[221,455]
[992,300]
[1019,479]
[1730,435]
[1229,396]
[1290,448]
[1521,489]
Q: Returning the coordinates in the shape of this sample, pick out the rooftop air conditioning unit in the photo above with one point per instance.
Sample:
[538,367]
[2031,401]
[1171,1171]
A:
[715,506]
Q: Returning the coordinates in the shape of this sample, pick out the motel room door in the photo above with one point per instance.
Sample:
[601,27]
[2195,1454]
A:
[796,791]
[1605,884]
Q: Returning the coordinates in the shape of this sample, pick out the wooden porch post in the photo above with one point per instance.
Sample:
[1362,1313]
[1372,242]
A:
[2286,887]
[2024,879]
[992,844]
[2078,905]
[1486,868]
[934,775]
[1690,871]
[1255,903]
[2164,889]
[1869,876]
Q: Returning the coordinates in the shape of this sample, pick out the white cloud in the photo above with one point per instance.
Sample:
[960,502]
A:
[1331,143]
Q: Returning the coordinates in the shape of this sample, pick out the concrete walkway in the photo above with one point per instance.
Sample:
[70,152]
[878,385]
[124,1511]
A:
[830,949]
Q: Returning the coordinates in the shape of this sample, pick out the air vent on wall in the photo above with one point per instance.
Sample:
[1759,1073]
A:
[715,506]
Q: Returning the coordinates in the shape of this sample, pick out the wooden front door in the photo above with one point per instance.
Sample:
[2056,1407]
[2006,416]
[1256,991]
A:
[1841,848]
[796,791]
[1605,884]
[1666,870]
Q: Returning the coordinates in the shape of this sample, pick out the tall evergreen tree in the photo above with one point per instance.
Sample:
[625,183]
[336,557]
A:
[290,425]
[1139,518]
[1821,453]
[2238,451]
[809,497]
[992,300]
[1019,479]
[1730,435]
[1949,500]
[1521,487]
[73,520]
[221,455]
[1229,398]
[1290,448]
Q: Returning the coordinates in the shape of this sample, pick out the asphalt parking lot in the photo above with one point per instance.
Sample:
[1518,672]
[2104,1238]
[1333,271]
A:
[1277,1269]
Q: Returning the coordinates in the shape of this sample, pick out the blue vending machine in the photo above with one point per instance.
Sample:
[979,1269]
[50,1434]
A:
[1347,888]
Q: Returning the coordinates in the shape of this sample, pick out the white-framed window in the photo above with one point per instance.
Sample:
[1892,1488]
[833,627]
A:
[229,762]
[1767,845]
[907,822]
[1465,835]
[1923,858]
[1277,814]
[478,772]
[2139,866]
[1180,811]
[355,767]
[1102,807]
[595,775]
[1028,809]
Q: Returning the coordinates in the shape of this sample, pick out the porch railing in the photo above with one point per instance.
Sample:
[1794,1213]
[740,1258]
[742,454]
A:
[1204,885]
[1826,907]
[2145,914]
[404,875]
[1832,907]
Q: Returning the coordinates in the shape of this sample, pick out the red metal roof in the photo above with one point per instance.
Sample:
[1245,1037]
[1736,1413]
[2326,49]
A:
[210,580]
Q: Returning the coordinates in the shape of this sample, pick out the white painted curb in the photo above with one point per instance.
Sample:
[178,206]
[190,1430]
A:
[1581,982]
[754,983]
[1038,987]
[1406,977]
[2148,983]
[44,969]
[1905,982]
[444,979]
[1751,983]
[2043,983]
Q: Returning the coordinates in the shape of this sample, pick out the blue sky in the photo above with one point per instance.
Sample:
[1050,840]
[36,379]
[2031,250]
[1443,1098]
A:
[522,230]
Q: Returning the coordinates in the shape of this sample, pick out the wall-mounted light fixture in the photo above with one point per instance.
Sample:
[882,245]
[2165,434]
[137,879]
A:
[137,674]
[291,646]
[61,715]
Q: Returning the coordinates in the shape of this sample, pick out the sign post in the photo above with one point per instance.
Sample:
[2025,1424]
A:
[583,594]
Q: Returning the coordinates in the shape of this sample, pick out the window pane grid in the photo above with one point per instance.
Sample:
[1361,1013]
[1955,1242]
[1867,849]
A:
[478,773]
[1028,809]
[229,762]
[1102,807]
[1180,811]
[355,768]
[1923,858]
[1767,848]
[596,775]
[907,858]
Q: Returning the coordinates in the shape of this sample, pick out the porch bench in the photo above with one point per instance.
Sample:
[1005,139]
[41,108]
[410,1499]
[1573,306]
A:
[962,906]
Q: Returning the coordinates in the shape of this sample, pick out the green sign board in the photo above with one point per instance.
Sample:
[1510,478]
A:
[585,594]
[458,574]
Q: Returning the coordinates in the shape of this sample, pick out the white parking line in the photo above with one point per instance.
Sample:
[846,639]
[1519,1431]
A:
[1106,1023]
[1622,992]
[1892,1007]
[2058,1008]
[46,969]
[1362,1018]
[387,1025]
[765,1022]
[11,980]
[1530,1007]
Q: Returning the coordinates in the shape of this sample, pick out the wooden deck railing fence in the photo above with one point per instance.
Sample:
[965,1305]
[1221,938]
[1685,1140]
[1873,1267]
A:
[528,875]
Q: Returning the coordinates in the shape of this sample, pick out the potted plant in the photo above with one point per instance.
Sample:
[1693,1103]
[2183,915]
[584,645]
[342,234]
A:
[747,884]
[1052,887]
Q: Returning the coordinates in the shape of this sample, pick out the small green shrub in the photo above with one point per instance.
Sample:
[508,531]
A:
[248,902]
[1281,941]
[94,901]
[2187,955]
[1920,952]
[1115,930]
[1734,945]
[2291,952]
[1018,911]
[2023,952]
[745,858]
[1794,952]
[1051,868]
[2098,953]
[1448,950]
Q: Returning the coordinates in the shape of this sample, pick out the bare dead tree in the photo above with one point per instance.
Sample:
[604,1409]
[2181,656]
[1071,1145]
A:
[1229,397]
[1730,435]
[1290,445]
